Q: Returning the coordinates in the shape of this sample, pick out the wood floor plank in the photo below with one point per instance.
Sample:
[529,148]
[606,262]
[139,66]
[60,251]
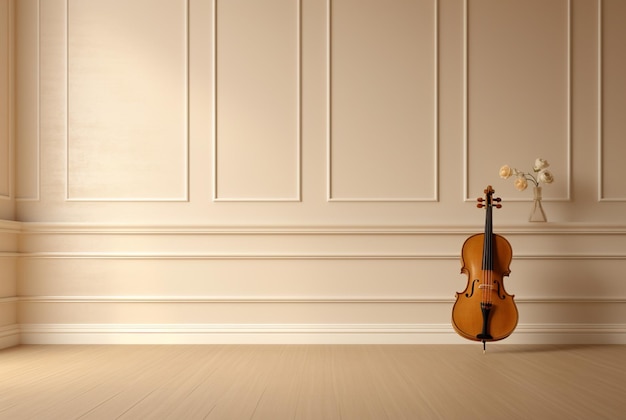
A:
[312,382]
[174,388]
[317,398]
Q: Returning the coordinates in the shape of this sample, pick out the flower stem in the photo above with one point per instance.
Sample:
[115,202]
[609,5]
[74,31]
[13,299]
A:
[532,178]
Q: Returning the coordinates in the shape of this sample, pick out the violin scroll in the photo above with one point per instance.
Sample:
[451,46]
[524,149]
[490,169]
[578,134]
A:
[488,200]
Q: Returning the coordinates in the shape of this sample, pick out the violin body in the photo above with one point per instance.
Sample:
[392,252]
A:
[467,317]
[484,311]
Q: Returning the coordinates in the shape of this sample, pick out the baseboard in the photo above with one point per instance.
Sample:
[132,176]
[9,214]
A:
[309,334]
[9,336]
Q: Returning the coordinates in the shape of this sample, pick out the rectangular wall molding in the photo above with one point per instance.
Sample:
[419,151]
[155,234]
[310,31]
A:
[611,100]
[259,161]
[127,100]
[516,124]
[6,100]
[381,167]
[28,102]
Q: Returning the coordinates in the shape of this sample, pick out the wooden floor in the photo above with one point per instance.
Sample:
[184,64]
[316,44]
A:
[313,382]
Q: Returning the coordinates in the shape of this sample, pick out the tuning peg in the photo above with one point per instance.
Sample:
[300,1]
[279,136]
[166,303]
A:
[498,206]
[480,206]
[498,199]
[480,199]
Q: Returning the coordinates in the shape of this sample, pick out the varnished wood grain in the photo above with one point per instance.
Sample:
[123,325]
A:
[312,382]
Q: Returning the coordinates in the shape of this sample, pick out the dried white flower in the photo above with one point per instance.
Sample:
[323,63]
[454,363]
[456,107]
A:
[541,174]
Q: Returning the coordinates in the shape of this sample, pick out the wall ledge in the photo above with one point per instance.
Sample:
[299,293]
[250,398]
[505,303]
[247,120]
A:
[549,228]
[300,299]
[10,226]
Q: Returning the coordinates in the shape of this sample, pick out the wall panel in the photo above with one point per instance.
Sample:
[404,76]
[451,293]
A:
[6,97]
[257,100]
[518,92]
[612,33]
[28,146]
[127,100]
[371,282]
[383,125]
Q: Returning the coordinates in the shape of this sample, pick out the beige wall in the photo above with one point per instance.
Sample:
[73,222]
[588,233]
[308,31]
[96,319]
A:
[306,171]
[9,230]
[7,77]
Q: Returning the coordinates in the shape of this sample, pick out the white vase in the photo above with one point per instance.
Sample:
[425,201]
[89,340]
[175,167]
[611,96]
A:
[537,214]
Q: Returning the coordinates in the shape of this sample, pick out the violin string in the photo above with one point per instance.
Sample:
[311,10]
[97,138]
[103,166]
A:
[490,269]
[485,269]
[489,265]
[490,261]
[486,274]
[486,260]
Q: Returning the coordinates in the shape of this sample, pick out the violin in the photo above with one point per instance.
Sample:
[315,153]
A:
[484,311]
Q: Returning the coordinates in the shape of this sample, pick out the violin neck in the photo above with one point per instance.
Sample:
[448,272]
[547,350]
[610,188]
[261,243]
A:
[488,240]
